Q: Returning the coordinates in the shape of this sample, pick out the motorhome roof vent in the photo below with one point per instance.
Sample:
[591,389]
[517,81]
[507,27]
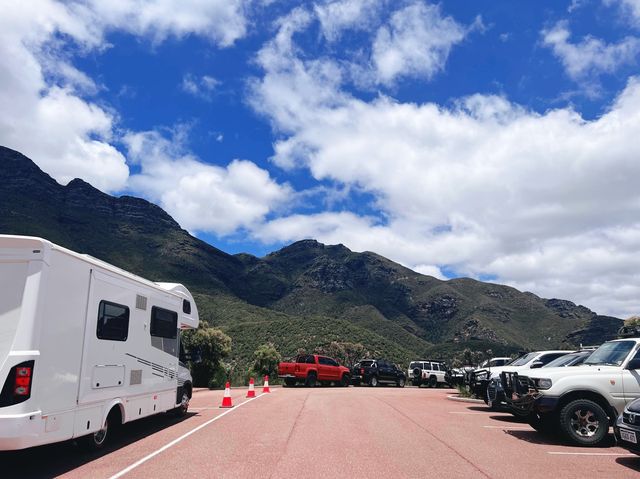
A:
[141,302]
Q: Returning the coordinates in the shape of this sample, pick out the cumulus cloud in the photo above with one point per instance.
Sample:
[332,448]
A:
[48,109]
[631,7]
[415,43]
[483,187]
[591,56]
[200,196]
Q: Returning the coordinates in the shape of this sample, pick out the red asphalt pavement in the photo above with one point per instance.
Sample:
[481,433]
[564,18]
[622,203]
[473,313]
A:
[328,433]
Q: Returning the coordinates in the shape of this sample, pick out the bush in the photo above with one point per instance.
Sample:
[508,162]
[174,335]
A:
[213,346]
[266,359]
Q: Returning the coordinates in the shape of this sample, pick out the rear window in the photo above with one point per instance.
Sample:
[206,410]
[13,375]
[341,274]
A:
[415,365]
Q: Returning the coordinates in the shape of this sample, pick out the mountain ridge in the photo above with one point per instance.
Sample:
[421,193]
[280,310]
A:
[303,285]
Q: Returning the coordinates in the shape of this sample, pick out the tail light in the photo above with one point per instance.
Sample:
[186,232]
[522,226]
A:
[17,387]
[362,371]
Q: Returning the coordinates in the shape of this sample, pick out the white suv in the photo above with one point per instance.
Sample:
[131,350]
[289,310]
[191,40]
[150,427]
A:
[581,401]
[427,372]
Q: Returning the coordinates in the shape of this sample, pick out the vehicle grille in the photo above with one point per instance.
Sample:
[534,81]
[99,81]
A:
[492,392]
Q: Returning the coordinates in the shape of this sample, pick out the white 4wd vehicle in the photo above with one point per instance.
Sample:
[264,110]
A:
[427,372]
[485,382]
[581,401]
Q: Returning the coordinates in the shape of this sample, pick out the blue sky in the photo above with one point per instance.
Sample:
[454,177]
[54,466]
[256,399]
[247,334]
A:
[486,139]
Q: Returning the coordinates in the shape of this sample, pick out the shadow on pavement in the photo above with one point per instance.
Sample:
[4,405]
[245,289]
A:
[632,463]
[535,437]
[55,459]
[510,418]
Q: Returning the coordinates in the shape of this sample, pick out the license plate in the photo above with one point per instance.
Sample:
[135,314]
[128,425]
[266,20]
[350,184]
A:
[628,436]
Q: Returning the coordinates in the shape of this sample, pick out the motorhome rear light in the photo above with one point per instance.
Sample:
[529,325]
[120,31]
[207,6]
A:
[17,386]
[21,390]
[23,372]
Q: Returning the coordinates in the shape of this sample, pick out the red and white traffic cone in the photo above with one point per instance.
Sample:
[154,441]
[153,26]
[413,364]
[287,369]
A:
[265,388]
[226,400]
[251,393]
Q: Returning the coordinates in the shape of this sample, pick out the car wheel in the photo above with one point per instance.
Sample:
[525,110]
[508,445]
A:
[373,382]
[543,423]
[584,422]
[401,383]
[433,382]
[97,440]
[181,410]
[346,380]
[310,382]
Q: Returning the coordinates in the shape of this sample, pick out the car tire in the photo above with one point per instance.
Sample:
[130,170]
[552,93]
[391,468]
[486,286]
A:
[433,382]
[346,380]
[97,440]
[311,380]
[401,383]
[584,422]
[181,410]
[373,382]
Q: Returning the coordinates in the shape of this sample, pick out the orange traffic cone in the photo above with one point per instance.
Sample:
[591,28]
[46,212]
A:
[265,388]
[251,393]
[226,400]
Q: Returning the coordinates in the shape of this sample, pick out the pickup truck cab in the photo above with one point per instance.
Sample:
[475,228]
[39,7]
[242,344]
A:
[582,401]
[311,369]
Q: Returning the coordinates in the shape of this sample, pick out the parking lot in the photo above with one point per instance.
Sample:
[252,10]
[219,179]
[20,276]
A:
[329,432]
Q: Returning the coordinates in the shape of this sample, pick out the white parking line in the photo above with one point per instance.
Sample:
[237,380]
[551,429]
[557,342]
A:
[524,428]
[184,436]
[554,453]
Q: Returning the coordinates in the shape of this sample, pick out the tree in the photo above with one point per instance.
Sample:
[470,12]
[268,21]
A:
[347,354]
[213,346]
[266,359]
[632,321]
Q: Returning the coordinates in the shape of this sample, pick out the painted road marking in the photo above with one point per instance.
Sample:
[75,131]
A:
[524,428]
[176,441]
[554,453]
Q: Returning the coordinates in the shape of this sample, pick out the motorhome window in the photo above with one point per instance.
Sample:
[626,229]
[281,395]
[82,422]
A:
[113,321]
[186,306]
[164,330]
[164,323]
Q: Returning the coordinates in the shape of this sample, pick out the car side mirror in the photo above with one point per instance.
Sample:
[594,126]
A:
[537,364]
[634,364]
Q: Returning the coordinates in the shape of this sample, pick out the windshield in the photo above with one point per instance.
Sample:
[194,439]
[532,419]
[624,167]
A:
[611,354]
[523,360]
[566,360]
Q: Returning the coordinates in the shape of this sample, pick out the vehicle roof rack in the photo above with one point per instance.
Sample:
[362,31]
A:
[629,332]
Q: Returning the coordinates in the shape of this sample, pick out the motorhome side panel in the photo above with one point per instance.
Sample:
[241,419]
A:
[120,359]
[61,322]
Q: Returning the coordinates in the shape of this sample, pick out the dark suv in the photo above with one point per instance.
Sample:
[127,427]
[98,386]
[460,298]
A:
[377,371]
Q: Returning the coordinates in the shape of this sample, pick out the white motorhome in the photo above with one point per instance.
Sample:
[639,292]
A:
[84,345]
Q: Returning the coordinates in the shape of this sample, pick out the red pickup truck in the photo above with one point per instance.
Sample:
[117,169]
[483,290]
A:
[311,369]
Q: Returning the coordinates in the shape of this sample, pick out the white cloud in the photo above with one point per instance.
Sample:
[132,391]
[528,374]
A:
[66,135]
[591,56]
[201,87]
[47,111]
[416,43]
[482,187]
[632,7]
[339,15]
[222,21]
[202,197]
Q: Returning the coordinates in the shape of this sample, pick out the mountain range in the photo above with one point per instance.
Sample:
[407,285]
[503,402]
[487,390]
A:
[305,295]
